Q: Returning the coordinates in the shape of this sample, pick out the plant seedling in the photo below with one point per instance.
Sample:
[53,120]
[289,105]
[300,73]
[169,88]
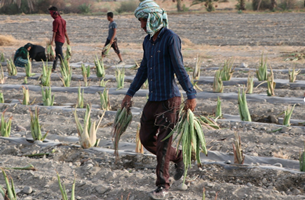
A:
[87,133]
[243,107]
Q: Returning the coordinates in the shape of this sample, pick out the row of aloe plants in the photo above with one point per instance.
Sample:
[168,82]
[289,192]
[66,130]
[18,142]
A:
[48,98]
[10,193]
[66,73]
[226,73]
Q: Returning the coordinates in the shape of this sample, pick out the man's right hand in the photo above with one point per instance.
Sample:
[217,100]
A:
[126,101]
[52,43]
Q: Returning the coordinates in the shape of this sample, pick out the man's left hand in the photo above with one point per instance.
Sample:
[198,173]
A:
[111,41]
[190,104]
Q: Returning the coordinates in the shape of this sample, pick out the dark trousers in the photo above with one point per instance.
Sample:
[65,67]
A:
[58,53]
[158,118]
[114,45]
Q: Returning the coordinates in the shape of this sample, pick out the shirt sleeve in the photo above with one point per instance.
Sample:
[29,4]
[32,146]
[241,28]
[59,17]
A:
[140,77]
[114,25]
[55,26]
[177,62]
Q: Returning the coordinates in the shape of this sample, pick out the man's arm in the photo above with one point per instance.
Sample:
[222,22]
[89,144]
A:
[66,35]
[53,38]
[55,29]
[114,34]
[138,81]
[183,77]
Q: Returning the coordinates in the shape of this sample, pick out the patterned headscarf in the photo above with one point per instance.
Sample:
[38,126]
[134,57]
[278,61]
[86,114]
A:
[156,16]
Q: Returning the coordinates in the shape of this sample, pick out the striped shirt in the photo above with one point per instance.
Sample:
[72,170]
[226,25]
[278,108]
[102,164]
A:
[161,60]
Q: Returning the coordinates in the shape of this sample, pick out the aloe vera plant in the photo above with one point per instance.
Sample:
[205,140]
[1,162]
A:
[218,112]
[103,83]
[11,194]
[139,146]
[2,77]
[239,157]
[46,74]
[261,72]
[26,96]
[100,69]
[227,70]
[63,189]
[2,58]
[105,103]
[1,97]
[47,97]
[196,72]
[145,84]
[50,52]
[11,68]
[243,107]
[288,114]
[68,52]
[25,81]
[217,84]
[80,98]
[249,84]
[87,133]
[120,77]
[135,66]
[271,84]
[36,127]
[85,73]
[5,126]
[106,49]
[302,161]
[66,72]
[28,67]
[293,74]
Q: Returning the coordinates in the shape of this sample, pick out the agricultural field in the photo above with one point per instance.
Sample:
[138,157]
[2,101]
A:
[272,150]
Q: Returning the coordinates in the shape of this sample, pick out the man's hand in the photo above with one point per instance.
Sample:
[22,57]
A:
[190,104]
[68,41]
[126,101]
[52,43]
[111,41]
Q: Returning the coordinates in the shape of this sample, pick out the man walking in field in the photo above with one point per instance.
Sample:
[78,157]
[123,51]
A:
[111,39]
[59,35]
[161,60]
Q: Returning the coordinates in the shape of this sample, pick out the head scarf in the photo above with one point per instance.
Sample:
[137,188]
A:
[156,16]
[28,45]
[54,13]
[22,51]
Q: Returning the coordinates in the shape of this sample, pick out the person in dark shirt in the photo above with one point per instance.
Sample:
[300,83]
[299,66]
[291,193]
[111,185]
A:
[38,53]
[59,34]
[162,59]
[111,39]
[21,55]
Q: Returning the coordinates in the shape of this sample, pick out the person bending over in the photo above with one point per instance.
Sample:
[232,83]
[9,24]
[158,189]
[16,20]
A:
[111,39]
[59,35]
[20,57]
[162,59]
[38,53]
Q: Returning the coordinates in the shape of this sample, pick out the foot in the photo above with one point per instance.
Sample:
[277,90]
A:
[120,62]
[159,193]
[179,170]
[53,70]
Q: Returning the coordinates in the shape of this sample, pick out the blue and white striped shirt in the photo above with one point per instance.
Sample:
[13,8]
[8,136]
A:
[161,60]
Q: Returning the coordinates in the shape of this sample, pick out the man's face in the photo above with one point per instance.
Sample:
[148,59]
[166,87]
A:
[29,48]
[143,22]
[108,18]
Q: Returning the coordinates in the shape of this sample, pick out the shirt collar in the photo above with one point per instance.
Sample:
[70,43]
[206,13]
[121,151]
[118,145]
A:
[160,34]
